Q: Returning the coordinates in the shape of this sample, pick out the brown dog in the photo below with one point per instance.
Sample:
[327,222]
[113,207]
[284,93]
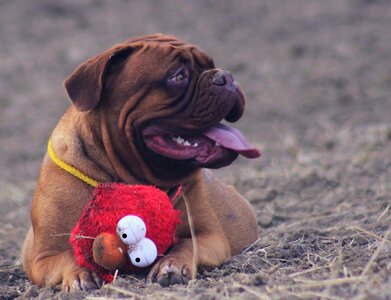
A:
[146,111]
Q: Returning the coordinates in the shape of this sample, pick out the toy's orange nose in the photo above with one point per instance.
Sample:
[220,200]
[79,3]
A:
[109,252]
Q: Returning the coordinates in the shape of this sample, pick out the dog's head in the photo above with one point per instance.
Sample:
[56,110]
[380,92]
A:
[160,102]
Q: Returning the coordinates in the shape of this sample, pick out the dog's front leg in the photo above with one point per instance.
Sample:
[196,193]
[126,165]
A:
[178,266]
[51,267]
[47,255]
[212,246]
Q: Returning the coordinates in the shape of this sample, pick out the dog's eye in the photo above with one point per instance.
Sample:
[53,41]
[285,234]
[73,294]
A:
[179,77]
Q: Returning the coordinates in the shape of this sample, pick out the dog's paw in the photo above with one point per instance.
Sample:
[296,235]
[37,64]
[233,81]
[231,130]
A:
[169,271]
[83,280]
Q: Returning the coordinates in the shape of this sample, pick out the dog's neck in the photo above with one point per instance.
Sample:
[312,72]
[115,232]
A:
[69,168]
[173,192]
[88,144]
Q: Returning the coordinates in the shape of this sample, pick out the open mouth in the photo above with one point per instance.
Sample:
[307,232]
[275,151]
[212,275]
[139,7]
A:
[216,147]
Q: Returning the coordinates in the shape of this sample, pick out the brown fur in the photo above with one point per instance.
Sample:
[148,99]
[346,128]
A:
[91,135]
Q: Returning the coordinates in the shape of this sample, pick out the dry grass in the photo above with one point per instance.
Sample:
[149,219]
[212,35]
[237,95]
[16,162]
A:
[326,278]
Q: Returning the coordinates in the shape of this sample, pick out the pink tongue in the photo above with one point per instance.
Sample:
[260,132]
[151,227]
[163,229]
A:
[233,139]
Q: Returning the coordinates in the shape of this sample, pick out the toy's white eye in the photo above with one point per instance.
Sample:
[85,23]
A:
[143,254]
[131,229]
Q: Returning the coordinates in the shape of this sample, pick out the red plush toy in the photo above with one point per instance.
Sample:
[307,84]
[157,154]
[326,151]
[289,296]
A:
[123,227]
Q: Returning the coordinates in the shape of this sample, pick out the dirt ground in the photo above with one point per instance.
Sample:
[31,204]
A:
[317,75]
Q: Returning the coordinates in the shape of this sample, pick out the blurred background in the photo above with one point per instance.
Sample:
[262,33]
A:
[317,75]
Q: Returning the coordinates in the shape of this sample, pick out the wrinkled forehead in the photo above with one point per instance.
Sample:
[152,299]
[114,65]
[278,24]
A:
[166,48]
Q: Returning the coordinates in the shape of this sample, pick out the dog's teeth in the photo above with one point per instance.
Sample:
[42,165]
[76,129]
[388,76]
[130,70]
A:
[195,145]
[217,144]
[179,140]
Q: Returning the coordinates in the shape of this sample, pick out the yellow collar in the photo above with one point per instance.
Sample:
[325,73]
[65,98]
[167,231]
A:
[75,172]
[70,169]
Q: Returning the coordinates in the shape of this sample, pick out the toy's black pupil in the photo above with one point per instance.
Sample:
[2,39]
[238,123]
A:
[124,235]
[137,259]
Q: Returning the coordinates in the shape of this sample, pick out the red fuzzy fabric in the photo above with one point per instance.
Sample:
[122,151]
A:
[108,204]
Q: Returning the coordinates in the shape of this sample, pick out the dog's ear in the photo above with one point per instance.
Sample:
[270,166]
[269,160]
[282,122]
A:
[84,86]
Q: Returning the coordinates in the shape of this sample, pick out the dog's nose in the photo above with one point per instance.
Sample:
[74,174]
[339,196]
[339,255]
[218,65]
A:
[221,78]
